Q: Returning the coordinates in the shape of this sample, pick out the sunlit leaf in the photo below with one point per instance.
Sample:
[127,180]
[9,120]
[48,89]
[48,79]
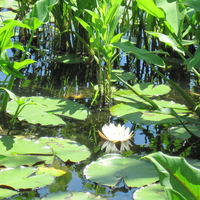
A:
[47,114]
[14,146]
[50,170]
[21,178]
[19,160]
[167,40]
[192,3]
[154,191]
[111,168]
[141,54]
[41,10]
[67,150]
[181,133]
[72,196]
[6,193]
[141,113]
[175,173]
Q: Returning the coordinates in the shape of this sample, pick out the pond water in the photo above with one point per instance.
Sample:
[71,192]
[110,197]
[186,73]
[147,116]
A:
[53,79]
[147,139]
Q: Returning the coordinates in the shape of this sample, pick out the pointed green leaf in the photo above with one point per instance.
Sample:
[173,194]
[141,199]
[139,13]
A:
[141,54]
[177,174]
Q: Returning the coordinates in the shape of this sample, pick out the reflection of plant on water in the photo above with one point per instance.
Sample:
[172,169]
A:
[78,44]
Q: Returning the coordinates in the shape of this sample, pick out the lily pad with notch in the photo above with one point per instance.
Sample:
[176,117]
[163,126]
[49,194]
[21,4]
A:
[111,168]
[67,150]
[47,113]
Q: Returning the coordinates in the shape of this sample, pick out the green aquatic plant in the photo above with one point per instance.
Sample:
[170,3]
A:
[8,67]
[179,179]
[30,162]
[102,33]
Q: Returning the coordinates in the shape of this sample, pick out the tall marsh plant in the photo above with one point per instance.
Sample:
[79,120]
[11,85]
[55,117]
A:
[102,33]
[7,66]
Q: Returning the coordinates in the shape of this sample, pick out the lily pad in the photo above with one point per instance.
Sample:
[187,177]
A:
[6,193]
[67,150]
[154,191]
[19,160]
[150,89]
[182,133]
[23,178]
[50,170]
[46,113]
[111,168]
[14,146]
[72,196]
[133,112]
[127,96]
[124,75]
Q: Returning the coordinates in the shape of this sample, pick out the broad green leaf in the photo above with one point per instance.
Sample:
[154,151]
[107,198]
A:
[28,23]
[192,3]
[127,96]
[141,113]
[15,146]
[173,194]
[167,40]
[9,4]
[11,94]
[172,14]
[6,193]
[141,54]
[150,89]
[42,9]
[182,133]
[50,170]
[18,45]
[23,178]
[85,25]
[19,160]
[193,62]
[47,114]
[111,168]
[7,15]
[154,191]
[150,7]
[124,75]
[31,23]
[66,150]
[20,65]
[72,195]
[8,69]
[177,174]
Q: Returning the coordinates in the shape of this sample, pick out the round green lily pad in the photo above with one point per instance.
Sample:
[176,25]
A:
[111,168]
[154,191]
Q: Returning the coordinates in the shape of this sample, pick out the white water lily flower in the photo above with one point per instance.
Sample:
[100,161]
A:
[117,138]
